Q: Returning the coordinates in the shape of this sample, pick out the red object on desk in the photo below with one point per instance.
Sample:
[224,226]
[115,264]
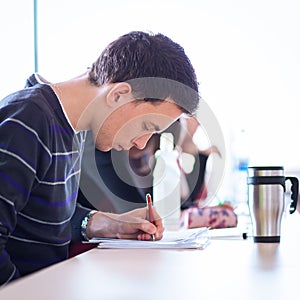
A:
[219,216]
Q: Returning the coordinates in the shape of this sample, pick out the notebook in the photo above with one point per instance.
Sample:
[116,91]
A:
[196,238]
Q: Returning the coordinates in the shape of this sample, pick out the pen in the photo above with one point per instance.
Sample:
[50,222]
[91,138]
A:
[243,236]
[150,210]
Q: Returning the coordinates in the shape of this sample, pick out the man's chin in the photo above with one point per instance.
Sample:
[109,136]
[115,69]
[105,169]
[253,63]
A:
[104,149]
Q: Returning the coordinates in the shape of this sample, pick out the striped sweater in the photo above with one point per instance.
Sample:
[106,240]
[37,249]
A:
[40,156]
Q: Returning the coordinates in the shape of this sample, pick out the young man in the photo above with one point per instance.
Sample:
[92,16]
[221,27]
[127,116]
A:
[139,85]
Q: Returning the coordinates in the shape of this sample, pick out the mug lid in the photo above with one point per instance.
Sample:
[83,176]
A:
[265,171]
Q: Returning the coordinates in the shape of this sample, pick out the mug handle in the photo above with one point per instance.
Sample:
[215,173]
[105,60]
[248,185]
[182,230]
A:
[294,193]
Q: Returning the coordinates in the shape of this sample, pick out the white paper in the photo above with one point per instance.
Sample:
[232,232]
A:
[197,238]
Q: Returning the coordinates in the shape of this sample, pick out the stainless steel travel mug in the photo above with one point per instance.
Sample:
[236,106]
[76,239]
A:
[266,200]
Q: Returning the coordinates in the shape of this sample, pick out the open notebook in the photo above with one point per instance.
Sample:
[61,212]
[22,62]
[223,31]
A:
[197,238]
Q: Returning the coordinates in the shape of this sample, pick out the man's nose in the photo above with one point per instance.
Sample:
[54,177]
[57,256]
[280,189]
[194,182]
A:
[140,143]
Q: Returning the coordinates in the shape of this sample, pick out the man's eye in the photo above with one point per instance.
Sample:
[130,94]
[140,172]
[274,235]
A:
[151,127]
[146,127]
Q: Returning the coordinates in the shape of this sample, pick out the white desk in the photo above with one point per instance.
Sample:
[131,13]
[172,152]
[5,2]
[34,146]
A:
[226,269]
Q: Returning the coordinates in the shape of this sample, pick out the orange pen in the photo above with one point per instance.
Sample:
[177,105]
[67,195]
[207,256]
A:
[150,210]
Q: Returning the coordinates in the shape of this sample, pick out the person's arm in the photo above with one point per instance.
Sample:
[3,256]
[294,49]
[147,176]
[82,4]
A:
[19,157]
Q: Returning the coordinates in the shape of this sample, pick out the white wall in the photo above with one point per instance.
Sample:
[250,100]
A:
[246,54]
[16,44]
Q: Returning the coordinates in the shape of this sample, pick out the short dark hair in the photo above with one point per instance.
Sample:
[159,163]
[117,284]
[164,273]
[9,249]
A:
[154,66]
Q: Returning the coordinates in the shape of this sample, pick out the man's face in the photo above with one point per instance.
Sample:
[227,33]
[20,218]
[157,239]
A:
[133,124]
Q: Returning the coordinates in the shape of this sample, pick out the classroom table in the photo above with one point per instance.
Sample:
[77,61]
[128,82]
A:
[225,269]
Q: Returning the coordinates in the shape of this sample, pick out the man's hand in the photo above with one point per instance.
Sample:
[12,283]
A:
[129,225]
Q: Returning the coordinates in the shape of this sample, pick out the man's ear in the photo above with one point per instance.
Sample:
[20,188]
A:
[119,93]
